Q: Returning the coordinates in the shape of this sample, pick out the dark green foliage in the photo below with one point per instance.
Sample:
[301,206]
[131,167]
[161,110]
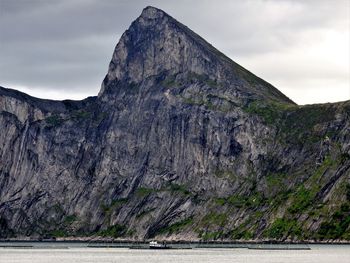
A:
[305,195]
[70,219]
[270,113]
[243,234]
[348,192]
[169,81]
[108,208]
[298,125]
[179,188]
[58,233]
[338,226]
[54,120]
[344,157]
[114,231]
[240,201]
[282,227]
[305,117]
[176,227]
[275,182]
[81,114]
[211,235]
[303,198]
[204,79]
[143,191]
[4,228]
[100,117]
[220,201]
[214,219]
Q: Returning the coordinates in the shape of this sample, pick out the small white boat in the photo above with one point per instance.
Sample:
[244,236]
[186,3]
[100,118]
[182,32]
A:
[158,245]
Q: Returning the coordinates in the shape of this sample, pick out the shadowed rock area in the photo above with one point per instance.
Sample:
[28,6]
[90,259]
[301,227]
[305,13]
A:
[180,143]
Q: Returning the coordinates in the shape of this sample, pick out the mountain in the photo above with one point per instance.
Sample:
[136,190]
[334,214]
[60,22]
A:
[180,143]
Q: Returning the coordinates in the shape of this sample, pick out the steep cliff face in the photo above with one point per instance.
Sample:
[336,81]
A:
[181,142]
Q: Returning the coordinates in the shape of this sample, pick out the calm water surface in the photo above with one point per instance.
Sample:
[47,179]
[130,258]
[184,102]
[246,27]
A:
[73,254]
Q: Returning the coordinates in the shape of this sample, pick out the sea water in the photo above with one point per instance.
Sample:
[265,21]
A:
[74,253]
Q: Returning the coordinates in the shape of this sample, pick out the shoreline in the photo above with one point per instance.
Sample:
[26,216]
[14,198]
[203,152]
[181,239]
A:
[87,240]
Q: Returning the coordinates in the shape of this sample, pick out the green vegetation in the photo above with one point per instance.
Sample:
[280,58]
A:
[211,235]
[113,231]
[205,79]
[299,126]
[100,117]
[54,120]
[81,114]
[215,219]
[176,227]
[306,193]
[303,198]
[271,112]
[68,220]
[347,192]
[107,209]
[169,82]
[338,226]
[143,191]
[242,231]
[282,227]
[242,234]
[200,101]
[58,233]
[275,182]
[241,201]
[182,189]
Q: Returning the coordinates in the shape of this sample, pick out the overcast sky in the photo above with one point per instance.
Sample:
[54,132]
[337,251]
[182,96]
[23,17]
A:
[61,49]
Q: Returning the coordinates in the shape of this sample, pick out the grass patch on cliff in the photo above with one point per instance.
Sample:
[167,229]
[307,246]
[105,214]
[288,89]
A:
[179,188]
[283,227]
[58,233]
[81,114]
[113,231]
[306,193]
[270,112]
[214,219]
[201,78]
[68,220]
[54,120]
[338,226]
[275,182]
[108,208]
[176,227]
[143,191]
[215,235]
[169,82]
[299,126]
[242,201]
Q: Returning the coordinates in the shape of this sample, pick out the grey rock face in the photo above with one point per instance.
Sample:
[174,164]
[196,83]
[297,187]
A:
[180,143]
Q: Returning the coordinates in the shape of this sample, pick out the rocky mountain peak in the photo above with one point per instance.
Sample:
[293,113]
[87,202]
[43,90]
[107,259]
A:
[150,12]
[156,43]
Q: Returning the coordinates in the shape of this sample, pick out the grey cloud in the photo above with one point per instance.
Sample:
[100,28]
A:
[67,44]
